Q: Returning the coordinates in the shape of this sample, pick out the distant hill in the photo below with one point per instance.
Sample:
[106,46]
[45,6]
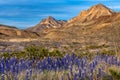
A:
[47,24]
[8,26]
[12,32]
[98,25]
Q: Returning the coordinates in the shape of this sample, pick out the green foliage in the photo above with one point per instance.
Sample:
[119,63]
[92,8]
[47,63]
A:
[115,74]
[97,46]
[107,52]
[34,52]
[85,54]
[41,52]
[5,55]
[37,52]
[107,77]
[56,53]
[20,54]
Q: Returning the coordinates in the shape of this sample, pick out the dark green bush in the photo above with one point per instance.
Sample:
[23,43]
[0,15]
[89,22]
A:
[107,52]
[97,46]
[107,77]
[36,52]
[115,74]
[56,53]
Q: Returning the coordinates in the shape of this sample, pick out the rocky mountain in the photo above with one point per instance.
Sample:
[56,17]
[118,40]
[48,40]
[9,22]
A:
[92,13]
[13,32]
[99,26]
[47,24]
[96,26]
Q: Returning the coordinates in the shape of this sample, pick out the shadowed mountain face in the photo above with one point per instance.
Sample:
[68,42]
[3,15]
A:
[13,32]
[47,24]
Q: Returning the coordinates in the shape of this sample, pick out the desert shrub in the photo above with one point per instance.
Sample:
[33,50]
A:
[5,55]
[107,52]
[41,52]
[115,74]
[85,54]
[56,53]
[97,46]
[107,77]
[34,52]
[37,52]
[20,54]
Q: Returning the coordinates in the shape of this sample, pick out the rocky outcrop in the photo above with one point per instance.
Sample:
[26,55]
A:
[92,13]
[47,24]
[98,24]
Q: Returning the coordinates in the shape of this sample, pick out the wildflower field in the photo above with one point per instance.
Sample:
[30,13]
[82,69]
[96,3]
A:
[68,67]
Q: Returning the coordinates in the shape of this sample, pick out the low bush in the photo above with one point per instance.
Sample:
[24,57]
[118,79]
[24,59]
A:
[115,74]
[34,52]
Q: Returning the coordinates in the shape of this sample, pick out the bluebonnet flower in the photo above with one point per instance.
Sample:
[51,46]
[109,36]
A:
[27,75]
[2,77]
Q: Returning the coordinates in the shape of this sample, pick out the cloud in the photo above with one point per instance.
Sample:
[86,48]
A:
[115,7]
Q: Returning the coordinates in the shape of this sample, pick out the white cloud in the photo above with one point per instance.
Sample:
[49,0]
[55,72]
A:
[114,7]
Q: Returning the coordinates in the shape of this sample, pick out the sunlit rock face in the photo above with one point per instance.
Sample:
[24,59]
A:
[94,12]
[47,24]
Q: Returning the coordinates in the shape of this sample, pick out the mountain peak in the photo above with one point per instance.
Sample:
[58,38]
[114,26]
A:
[48,19]
[98,11]
[47,24]
[94,12]
[101,7]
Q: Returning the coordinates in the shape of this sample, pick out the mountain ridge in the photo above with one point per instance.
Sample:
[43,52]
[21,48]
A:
[93,12]
[13,32]
[46,24]
[93,30]
[95,27]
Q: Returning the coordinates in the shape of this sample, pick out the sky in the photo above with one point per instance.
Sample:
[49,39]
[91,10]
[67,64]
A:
[27,13]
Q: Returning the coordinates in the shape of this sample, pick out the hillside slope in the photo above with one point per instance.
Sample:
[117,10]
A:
[96,26]
[13,32]
[47,24]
